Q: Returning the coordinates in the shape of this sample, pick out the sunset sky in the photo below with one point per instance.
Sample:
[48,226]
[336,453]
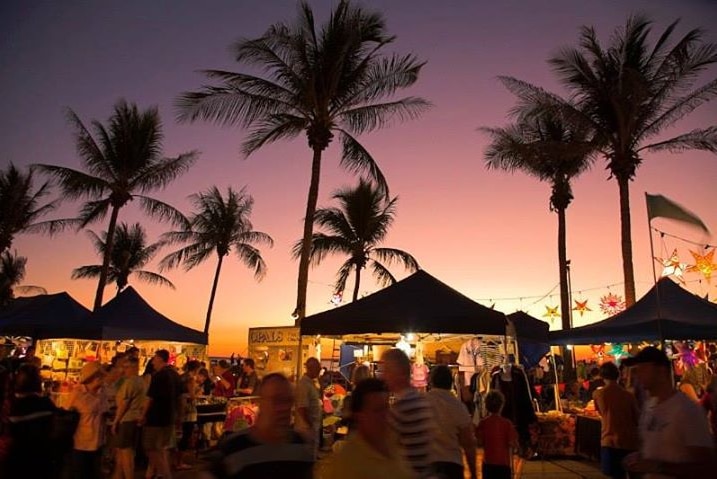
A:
[489,235]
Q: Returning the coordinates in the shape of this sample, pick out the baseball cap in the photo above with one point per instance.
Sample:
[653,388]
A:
[649,354]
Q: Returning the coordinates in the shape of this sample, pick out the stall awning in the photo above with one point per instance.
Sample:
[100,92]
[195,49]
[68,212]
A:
[47,316]
[129,316]
[679,315]
[418,303]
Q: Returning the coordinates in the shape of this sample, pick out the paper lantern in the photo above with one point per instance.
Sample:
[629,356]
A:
[704,264]
[551,313]
[672,266]
[611,304]
[581,307]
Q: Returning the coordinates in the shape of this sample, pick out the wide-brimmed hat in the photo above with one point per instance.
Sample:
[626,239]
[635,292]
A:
[91,370]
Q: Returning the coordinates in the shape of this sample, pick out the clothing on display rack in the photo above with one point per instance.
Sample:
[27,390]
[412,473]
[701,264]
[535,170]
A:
[419,375]
[470,359]
[511,380]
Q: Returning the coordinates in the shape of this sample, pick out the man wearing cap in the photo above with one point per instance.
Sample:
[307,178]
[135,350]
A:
[90,401]
[675,436]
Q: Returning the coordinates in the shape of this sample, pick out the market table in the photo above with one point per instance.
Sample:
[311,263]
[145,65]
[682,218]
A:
[555,434]
[587,436]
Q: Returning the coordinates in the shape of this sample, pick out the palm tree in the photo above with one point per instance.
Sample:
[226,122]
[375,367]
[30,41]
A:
[630,92]
[123,161]
[130,253]
[545,145]
[12,272]
[320,83]
[21,206]
[218,225]
[356,228]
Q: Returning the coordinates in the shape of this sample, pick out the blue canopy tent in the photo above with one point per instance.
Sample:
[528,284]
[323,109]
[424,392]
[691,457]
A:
[419,303]
[667,311]
[129,316]
[532,334]
[47,316]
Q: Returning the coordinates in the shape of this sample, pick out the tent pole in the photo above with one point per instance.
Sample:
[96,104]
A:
[657,289]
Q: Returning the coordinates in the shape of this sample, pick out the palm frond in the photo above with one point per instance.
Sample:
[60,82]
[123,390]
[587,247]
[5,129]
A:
[153,278]
[162,211]
[382,274]
[393,255]
[357,159]
[87,272]
[698,139]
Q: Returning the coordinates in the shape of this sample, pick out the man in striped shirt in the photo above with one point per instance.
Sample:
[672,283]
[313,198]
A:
[411,416]
[270,448]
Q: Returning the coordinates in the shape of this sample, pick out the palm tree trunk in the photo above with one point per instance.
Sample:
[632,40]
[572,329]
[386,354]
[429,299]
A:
[303,281]
[563,273]
[565,303]
[626,238]
[211,296]
[106,258]
[357,282]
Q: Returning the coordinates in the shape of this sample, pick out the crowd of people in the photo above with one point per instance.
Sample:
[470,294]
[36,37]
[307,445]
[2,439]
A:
[395,430]
[117,413]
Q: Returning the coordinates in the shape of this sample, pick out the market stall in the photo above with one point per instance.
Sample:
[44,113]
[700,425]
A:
[432,323]
[126,320]
[46,316]
[667,314]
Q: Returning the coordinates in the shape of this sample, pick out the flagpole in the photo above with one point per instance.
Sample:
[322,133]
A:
[654,279]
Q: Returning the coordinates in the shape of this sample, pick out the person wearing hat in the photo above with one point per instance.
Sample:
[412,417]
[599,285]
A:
[675,436]
[90,401]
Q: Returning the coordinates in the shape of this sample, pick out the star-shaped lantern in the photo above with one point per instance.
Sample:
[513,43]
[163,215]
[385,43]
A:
[551,313]
[672,267]
[337,298]
[704,264]
[611,304]
[581,307]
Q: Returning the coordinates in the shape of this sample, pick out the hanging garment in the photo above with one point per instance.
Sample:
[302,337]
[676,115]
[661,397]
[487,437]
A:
[419,375]
[469,358]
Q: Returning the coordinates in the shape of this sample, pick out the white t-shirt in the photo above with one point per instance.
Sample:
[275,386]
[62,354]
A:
[450,417]
[469,358]
[669,428]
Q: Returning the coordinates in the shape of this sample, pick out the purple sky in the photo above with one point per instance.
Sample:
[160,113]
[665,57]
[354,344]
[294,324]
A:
[489,235]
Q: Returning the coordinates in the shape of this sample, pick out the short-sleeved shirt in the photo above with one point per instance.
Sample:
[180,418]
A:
[670,427]
[411,418]
[619,417]
[249,381]
[242,456]
[164,391]
[496,433]
[132,392]
[307,395]
[90,432]
[221,390]
[356,459]
[451,416]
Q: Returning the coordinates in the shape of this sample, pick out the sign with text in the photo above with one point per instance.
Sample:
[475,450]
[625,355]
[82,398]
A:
[281,336]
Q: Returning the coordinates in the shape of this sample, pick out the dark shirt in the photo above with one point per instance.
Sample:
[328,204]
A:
[249,381]
[240,456]
[30,420]
[164,390]
[207,387]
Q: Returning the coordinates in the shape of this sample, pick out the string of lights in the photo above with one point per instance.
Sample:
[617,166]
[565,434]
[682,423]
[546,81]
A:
[670,235]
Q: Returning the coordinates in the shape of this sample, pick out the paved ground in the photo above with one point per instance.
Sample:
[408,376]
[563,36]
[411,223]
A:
[536,469]
[559,469]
